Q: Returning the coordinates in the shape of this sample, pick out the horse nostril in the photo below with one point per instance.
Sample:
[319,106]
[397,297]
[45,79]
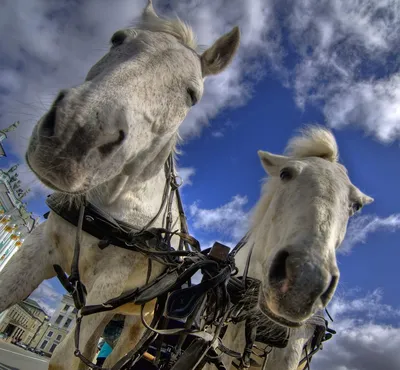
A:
[108,148]
[328,294]
[49,122]
[60,97]
[277,272]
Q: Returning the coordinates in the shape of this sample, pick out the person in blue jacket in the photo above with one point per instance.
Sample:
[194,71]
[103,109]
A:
[103,354]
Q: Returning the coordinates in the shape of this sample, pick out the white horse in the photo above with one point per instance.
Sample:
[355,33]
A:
[110,138]
[297,226]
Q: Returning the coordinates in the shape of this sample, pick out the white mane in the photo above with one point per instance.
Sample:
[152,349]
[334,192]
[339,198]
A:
[313,141]
[175,27]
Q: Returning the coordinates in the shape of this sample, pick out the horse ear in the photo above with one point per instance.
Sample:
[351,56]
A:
[149,13]
[367,199]
[356,193]
[216,58]
[272,163]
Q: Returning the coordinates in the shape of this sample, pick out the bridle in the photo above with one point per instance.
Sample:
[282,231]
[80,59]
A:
[206,307]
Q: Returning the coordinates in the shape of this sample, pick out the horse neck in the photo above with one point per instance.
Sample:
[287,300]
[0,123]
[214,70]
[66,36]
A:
[258,236]
[135,200]
[242,258]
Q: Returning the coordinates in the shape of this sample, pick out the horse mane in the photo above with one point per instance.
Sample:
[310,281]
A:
[312,141]
[175,27]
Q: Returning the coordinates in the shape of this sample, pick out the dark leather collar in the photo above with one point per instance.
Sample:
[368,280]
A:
[96,222]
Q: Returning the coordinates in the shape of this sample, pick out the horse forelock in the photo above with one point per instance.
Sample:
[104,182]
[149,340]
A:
[313,141]
[175,27]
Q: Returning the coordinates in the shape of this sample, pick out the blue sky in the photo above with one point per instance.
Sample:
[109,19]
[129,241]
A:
[333,62]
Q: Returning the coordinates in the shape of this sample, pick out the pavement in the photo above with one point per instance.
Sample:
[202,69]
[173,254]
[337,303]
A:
[16,358]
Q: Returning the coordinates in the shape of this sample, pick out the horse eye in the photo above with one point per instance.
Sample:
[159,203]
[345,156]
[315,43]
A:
[118,38]
[192,96]
[285,174]
[356,206]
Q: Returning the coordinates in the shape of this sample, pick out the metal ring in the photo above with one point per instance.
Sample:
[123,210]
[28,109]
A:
[178,183]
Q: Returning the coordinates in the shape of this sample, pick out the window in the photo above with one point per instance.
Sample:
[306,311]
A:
[59,318]
[50,334]
[67,323]
[66,307]
[44,344]
[74,311]
[59,337]
[52,348]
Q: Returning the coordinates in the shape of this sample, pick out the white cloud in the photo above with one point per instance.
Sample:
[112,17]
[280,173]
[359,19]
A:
[230,220]
[375,104]
[217,134]
[365,340]
[348,61]
[186,174]
[371,306]
[361,226]
[47,296]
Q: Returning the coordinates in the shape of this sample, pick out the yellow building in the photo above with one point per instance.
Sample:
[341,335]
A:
[22,322]
[15,221]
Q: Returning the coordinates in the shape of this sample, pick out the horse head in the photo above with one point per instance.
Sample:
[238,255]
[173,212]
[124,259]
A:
[298,224]
[128,110]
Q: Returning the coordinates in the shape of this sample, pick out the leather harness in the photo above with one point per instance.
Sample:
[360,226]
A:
[215,301]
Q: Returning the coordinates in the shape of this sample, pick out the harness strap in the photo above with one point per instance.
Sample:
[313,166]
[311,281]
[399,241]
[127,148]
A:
[111,304]
[182,302]
[79,293]
[322,333]
[73,283]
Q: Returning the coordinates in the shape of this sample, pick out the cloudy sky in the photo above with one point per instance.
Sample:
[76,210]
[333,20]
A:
[333,62]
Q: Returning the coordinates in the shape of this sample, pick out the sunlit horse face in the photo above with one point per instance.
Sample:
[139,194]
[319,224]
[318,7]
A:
[307,205]
[129,109]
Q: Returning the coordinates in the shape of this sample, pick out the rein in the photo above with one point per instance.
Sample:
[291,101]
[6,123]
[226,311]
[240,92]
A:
[205,308]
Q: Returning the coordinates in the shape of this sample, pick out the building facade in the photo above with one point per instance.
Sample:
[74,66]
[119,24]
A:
[3,136]
[22,322]
[60,324]
[15,221]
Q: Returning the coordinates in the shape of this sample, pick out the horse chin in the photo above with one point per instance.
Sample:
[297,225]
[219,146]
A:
[278,319]
[80,191]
